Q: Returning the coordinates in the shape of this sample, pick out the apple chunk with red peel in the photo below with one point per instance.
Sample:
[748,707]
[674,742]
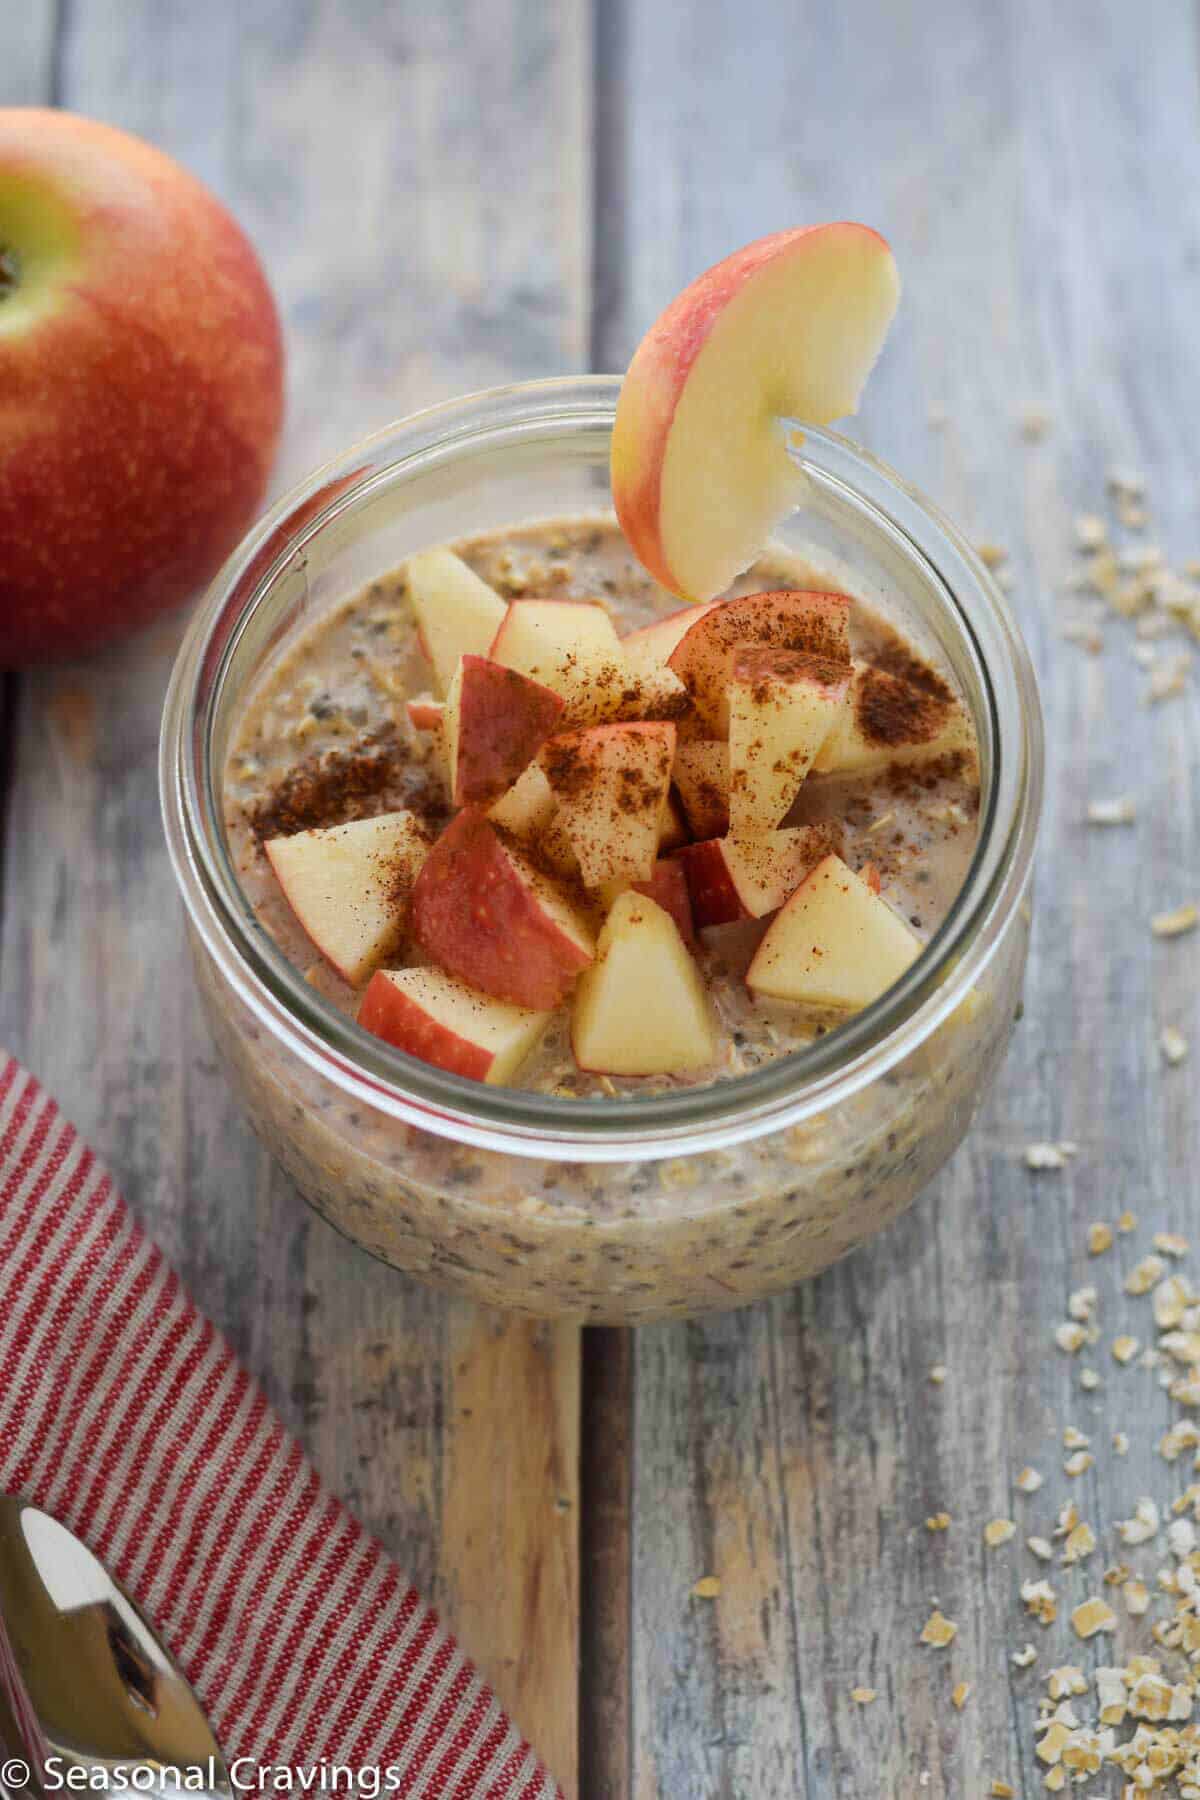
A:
[349,886]
[815,624]
[701,774]
[496,721]
[530,812]
[668,888]
[785,329]
[836,944]
[568,645]
[457,614]
[442,1021]
[782,707]
[641,1008]
[888,719]
[611,783]
[730,880]
[483,912]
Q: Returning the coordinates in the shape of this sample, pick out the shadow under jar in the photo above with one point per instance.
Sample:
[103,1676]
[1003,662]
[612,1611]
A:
[627,1209]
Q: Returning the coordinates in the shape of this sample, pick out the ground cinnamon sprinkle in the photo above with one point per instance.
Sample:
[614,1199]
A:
[895,658]
[896,711]
[766,668]
[338,786]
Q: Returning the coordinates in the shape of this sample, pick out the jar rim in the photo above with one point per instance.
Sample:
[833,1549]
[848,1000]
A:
[731,1109]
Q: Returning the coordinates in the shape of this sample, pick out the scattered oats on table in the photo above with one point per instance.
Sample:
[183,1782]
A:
[707,1588]
[1042,1548]
[1093,1616]
[1143,1525]
[1070,1336]
[1024,1659]
[1145,1274]
[1169,679]
[937,1374]
[1173,1045]
[997,1532]
[938,1522]
[1174,924]
[1099,1239]
[1029,1480]
[991,555]
[960,1695]
[1047,1156]
[1040,1600]
[938,1631]
[1122,811]
[1127,1222]
[1079,1463]
[1124,1349]
[862,1696]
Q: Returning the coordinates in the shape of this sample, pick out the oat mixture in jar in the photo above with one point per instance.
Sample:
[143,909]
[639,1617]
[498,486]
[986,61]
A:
[327,737]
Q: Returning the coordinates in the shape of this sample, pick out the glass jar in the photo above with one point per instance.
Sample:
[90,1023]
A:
[614,1210]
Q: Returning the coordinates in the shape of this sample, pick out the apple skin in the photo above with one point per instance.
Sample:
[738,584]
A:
[499,719]
[665,359]
[481,913]
[668,888]
[141,385]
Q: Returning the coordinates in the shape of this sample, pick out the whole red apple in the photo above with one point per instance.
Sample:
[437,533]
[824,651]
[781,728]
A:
[141,384]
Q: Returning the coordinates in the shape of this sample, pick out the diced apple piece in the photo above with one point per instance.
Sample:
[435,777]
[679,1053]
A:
[701,774]
[528,806]
[568,645]
[650,646]
[483,912]
[530,812]
[815,624]
[457,614]
[887,720]
[646,653]
[652,694]
[668,888]
[349,886]
[496,722]
[785,329]
[442,1021]
[783,705]
[611,782]
[672,828]
[836,944]
[641,1009]
[424,712]
[728,880]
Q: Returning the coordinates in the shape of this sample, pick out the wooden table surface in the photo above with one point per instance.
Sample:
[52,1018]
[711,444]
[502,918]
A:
[447,196]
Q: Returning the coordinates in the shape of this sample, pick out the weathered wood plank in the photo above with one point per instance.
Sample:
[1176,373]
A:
[1037,172]
[27,63]
[373,154]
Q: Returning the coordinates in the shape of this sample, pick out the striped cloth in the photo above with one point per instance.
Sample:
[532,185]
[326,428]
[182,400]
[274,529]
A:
[125,1414]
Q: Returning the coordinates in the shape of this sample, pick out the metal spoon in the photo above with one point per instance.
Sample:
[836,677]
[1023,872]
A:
[84,1682]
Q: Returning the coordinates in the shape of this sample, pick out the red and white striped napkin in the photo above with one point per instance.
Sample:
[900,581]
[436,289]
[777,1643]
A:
[125,1415]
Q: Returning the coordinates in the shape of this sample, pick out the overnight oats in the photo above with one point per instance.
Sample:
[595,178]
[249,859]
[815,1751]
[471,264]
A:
[588,952]
[739,840]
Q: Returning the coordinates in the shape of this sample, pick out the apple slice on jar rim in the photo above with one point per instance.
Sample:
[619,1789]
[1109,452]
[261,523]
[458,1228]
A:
[781,334]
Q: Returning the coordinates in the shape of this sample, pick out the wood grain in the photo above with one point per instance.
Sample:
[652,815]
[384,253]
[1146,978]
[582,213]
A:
[1036,171]
[373,154]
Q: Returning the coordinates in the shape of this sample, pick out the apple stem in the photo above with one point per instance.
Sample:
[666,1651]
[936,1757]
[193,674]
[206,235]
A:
[10,270]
